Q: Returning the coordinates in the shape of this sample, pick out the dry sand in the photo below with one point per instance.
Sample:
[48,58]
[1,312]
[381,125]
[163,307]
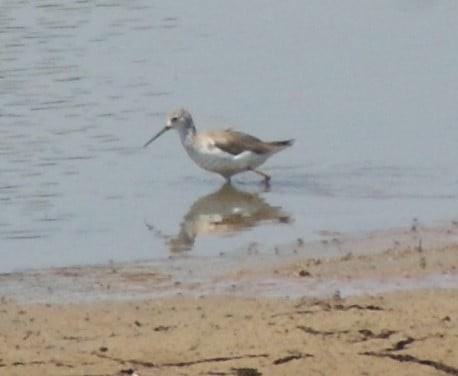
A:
[411,331]
[401,333]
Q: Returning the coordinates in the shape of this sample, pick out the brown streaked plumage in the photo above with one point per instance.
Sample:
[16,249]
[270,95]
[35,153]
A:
[234,142]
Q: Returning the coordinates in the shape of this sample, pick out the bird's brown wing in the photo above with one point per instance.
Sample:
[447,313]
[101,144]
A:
[234,142]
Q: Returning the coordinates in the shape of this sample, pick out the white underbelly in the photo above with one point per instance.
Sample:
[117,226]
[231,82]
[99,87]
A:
[216,160]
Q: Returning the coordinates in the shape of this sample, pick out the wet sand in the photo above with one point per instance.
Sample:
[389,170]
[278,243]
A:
[392,312]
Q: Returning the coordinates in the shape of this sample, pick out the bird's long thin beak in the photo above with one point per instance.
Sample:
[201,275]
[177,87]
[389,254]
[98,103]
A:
[165,129]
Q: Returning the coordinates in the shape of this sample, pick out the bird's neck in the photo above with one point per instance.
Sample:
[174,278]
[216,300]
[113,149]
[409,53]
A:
[187,134]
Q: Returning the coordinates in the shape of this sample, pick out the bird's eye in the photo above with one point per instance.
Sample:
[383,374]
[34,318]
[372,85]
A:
[175,118]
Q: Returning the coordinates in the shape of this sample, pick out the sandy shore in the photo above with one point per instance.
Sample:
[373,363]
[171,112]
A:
[401,333]
[393,312]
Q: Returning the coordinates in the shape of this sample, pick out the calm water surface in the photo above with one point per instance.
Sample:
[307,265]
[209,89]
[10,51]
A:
[367,89]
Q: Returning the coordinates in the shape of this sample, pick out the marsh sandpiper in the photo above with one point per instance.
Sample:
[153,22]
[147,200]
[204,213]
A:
[225,152]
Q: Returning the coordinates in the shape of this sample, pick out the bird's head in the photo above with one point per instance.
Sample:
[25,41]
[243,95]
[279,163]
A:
[178,119]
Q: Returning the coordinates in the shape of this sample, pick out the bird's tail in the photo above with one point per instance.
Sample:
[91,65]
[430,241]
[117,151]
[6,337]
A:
[282,144]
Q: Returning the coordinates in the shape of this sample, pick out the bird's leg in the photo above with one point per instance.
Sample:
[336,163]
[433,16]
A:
[228,180]
[265,176]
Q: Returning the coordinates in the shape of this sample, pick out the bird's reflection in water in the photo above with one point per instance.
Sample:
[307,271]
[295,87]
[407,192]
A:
[225,212]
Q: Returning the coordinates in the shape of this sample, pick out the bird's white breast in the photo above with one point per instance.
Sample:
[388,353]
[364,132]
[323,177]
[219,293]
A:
[205,154]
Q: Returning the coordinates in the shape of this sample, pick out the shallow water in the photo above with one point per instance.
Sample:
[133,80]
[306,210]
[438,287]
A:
[368,90]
